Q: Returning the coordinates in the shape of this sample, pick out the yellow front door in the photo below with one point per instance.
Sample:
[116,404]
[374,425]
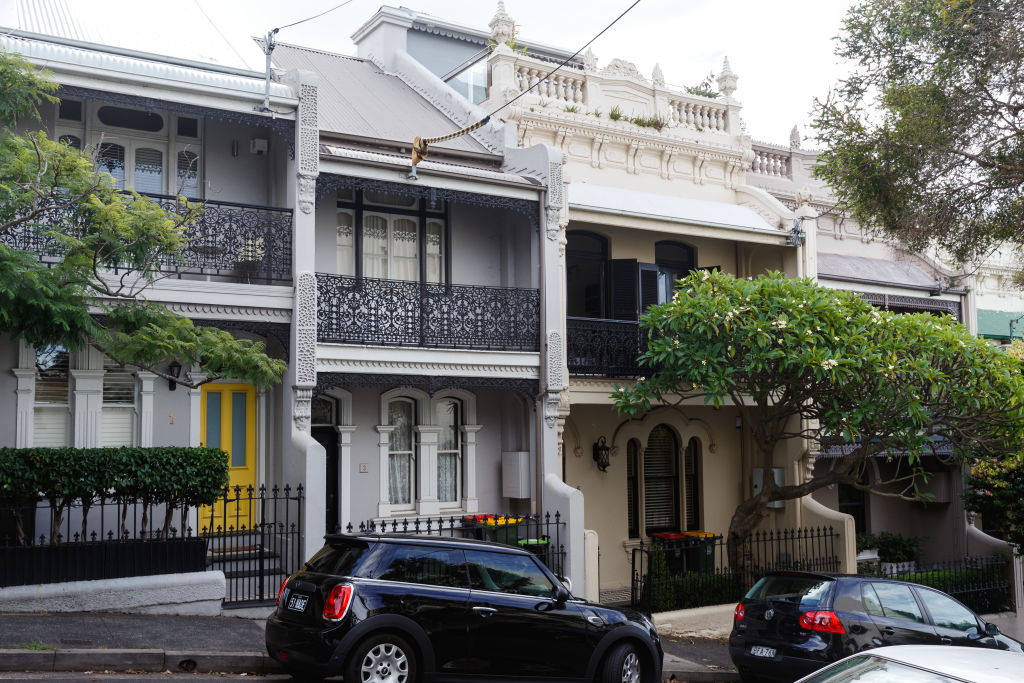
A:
[228,421]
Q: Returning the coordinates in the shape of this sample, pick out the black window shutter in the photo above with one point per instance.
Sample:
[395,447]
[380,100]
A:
[648,285]
[623,286]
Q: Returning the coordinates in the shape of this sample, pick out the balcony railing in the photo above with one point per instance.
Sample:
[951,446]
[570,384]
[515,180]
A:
[236,242]
[401,313]
[603,348]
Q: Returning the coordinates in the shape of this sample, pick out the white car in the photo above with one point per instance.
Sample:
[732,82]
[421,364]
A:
[923,664]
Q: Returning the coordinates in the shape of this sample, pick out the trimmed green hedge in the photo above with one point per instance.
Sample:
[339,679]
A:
[170,474]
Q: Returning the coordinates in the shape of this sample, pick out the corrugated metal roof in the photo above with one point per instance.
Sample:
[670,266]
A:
[403,161]
[358,99]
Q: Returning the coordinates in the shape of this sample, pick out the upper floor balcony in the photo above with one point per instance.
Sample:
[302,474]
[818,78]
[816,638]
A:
[603,348]
[229,242]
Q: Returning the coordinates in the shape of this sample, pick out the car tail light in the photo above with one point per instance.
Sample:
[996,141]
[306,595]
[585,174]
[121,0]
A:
[825,621]
[338,601]
[739,613]
[281,590]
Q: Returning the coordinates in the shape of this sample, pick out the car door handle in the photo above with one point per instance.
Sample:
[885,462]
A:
[946,641]
[485,611]
[889,631]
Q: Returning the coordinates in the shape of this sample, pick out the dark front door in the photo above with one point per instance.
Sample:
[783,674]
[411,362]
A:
[328,438]
[517,628]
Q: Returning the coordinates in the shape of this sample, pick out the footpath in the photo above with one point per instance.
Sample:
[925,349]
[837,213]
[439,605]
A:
[144,643]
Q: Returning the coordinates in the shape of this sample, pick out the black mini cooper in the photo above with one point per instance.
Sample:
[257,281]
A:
[401,609]
[793,623]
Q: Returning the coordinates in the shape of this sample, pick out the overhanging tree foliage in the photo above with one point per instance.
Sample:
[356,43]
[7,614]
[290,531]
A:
[925,139]
[800,361]
[54,193]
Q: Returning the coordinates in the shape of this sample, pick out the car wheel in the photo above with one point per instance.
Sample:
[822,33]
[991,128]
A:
[386,658]
[622,666]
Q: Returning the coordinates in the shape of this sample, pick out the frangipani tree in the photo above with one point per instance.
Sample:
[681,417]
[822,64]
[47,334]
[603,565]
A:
[800,361]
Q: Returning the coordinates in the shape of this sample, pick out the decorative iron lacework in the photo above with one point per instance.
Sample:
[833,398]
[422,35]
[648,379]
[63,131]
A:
[402,313]
[237,242]
[603,348]
[330,182]
[284,128]
[527,388]
[917,303]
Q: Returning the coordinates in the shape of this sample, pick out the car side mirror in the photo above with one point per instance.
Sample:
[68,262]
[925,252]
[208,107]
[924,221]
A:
[566,581]
[562,595]
[991,629]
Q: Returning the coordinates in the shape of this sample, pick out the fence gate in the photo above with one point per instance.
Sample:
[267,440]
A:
[255,537]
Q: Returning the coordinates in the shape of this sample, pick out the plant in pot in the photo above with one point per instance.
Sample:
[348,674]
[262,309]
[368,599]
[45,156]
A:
[898,553]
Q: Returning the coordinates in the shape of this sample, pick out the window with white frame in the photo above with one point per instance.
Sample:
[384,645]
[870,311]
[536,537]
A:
[118,416]
[448,416]
[401,452]
[50,412]
[390,236]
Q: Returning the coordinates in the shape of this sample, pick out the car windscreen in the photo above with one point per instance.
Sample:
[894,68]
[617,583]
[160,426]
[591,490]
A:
[806,591]
[871,669]
[338,557]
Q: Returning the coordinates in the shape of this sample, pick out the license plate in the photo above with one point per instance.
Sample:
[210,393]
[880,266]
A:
[761,651]
[298,603]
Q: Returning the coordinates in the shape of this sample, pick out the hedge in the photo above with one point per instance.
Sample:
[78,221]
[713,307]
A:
[171,475]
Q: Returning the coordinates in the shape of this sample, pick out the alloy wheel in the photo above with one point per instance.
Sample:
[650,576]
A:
[385,663]
[631,668]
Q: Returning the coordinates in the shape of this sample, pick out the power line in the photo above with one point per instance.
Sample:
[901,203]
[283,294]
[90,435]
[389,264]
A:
[302,21]
[419,146]
[223,37]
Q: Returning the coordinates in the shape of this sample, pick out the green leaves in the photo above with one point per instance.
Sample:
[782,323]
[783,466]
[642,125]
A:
[56,202]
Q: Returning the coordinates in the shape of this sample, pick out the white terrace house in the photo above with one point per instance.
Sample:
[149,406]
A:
[850,258]
[655,185]
[416,314]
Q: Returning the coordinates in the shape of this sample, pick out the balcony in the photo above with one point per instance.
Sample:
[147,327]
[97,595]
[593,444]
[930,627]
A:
[603,348]
[401,313]
[229,242]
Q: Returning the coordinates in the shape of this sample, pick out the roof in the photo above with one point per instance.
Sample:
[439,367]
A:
[996,324]
[878,271]
[357,99]
[665,207]
[403,161]
[963,663]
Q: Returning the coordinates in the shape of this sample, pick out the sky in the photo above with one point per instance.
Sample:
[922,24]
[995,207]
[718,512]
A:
[782,50]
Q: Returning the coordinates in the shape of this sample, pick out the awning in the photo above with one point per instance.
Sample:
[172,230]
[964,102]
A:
[996,324]
[615,200]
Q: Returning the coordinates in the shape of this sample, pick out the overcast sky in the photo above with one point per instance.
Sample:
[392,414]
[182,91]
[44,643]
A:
[782,50]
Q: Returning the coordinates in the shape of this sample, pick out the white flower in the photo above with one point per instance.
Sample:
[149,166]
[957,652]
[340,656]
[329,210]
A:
[829,363]
[703,362]
[835,338]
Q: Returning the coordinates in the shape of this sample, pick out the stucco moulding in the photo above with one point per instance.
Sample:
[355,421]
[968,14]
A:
[276,315]
[426,368]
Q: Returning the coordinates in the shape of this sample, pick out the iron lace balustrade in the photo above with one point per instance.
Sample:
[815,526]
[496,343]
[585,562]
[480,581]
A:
[236,242]
[603,348]
[402,313]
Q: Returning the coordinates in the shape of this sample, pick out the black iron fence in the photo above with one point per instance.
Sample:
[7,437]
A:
[228,240]
[253,535]
[696,570]
[982,583]
[402,313]
[542,535]
[603,348]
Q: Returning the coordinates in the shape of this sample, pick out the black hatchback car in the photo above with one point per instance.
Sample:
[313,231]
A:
[792,623]
[401,609]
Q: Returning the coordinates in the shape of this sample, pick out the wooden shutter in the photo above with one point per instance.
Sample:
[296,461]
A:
[632,502]
[623,285]
[661,481]
[648,285]
[691,467]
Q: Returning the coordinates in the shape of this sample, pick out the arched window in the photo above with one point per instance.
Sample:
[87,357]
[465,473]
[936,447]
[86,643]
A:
[661,481]
[448,416]
[401,454]
[586,257]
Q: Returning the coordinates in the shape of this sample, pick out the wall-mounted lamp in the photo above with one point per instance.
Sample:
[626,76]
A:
[739,422]
[602,454]
[174,370]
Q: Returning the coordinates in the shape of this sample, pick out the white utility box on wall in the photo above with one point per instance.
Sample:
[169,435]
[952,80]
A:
[780,480]
[515,474]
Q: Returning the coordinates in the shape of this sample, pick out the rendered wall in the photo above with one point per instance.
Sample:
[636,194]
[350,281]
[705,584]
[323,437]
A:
[8,386]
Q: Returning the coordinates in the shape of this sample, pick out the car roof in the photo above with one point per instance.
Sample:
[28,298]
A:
[426,539]
[974,664]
